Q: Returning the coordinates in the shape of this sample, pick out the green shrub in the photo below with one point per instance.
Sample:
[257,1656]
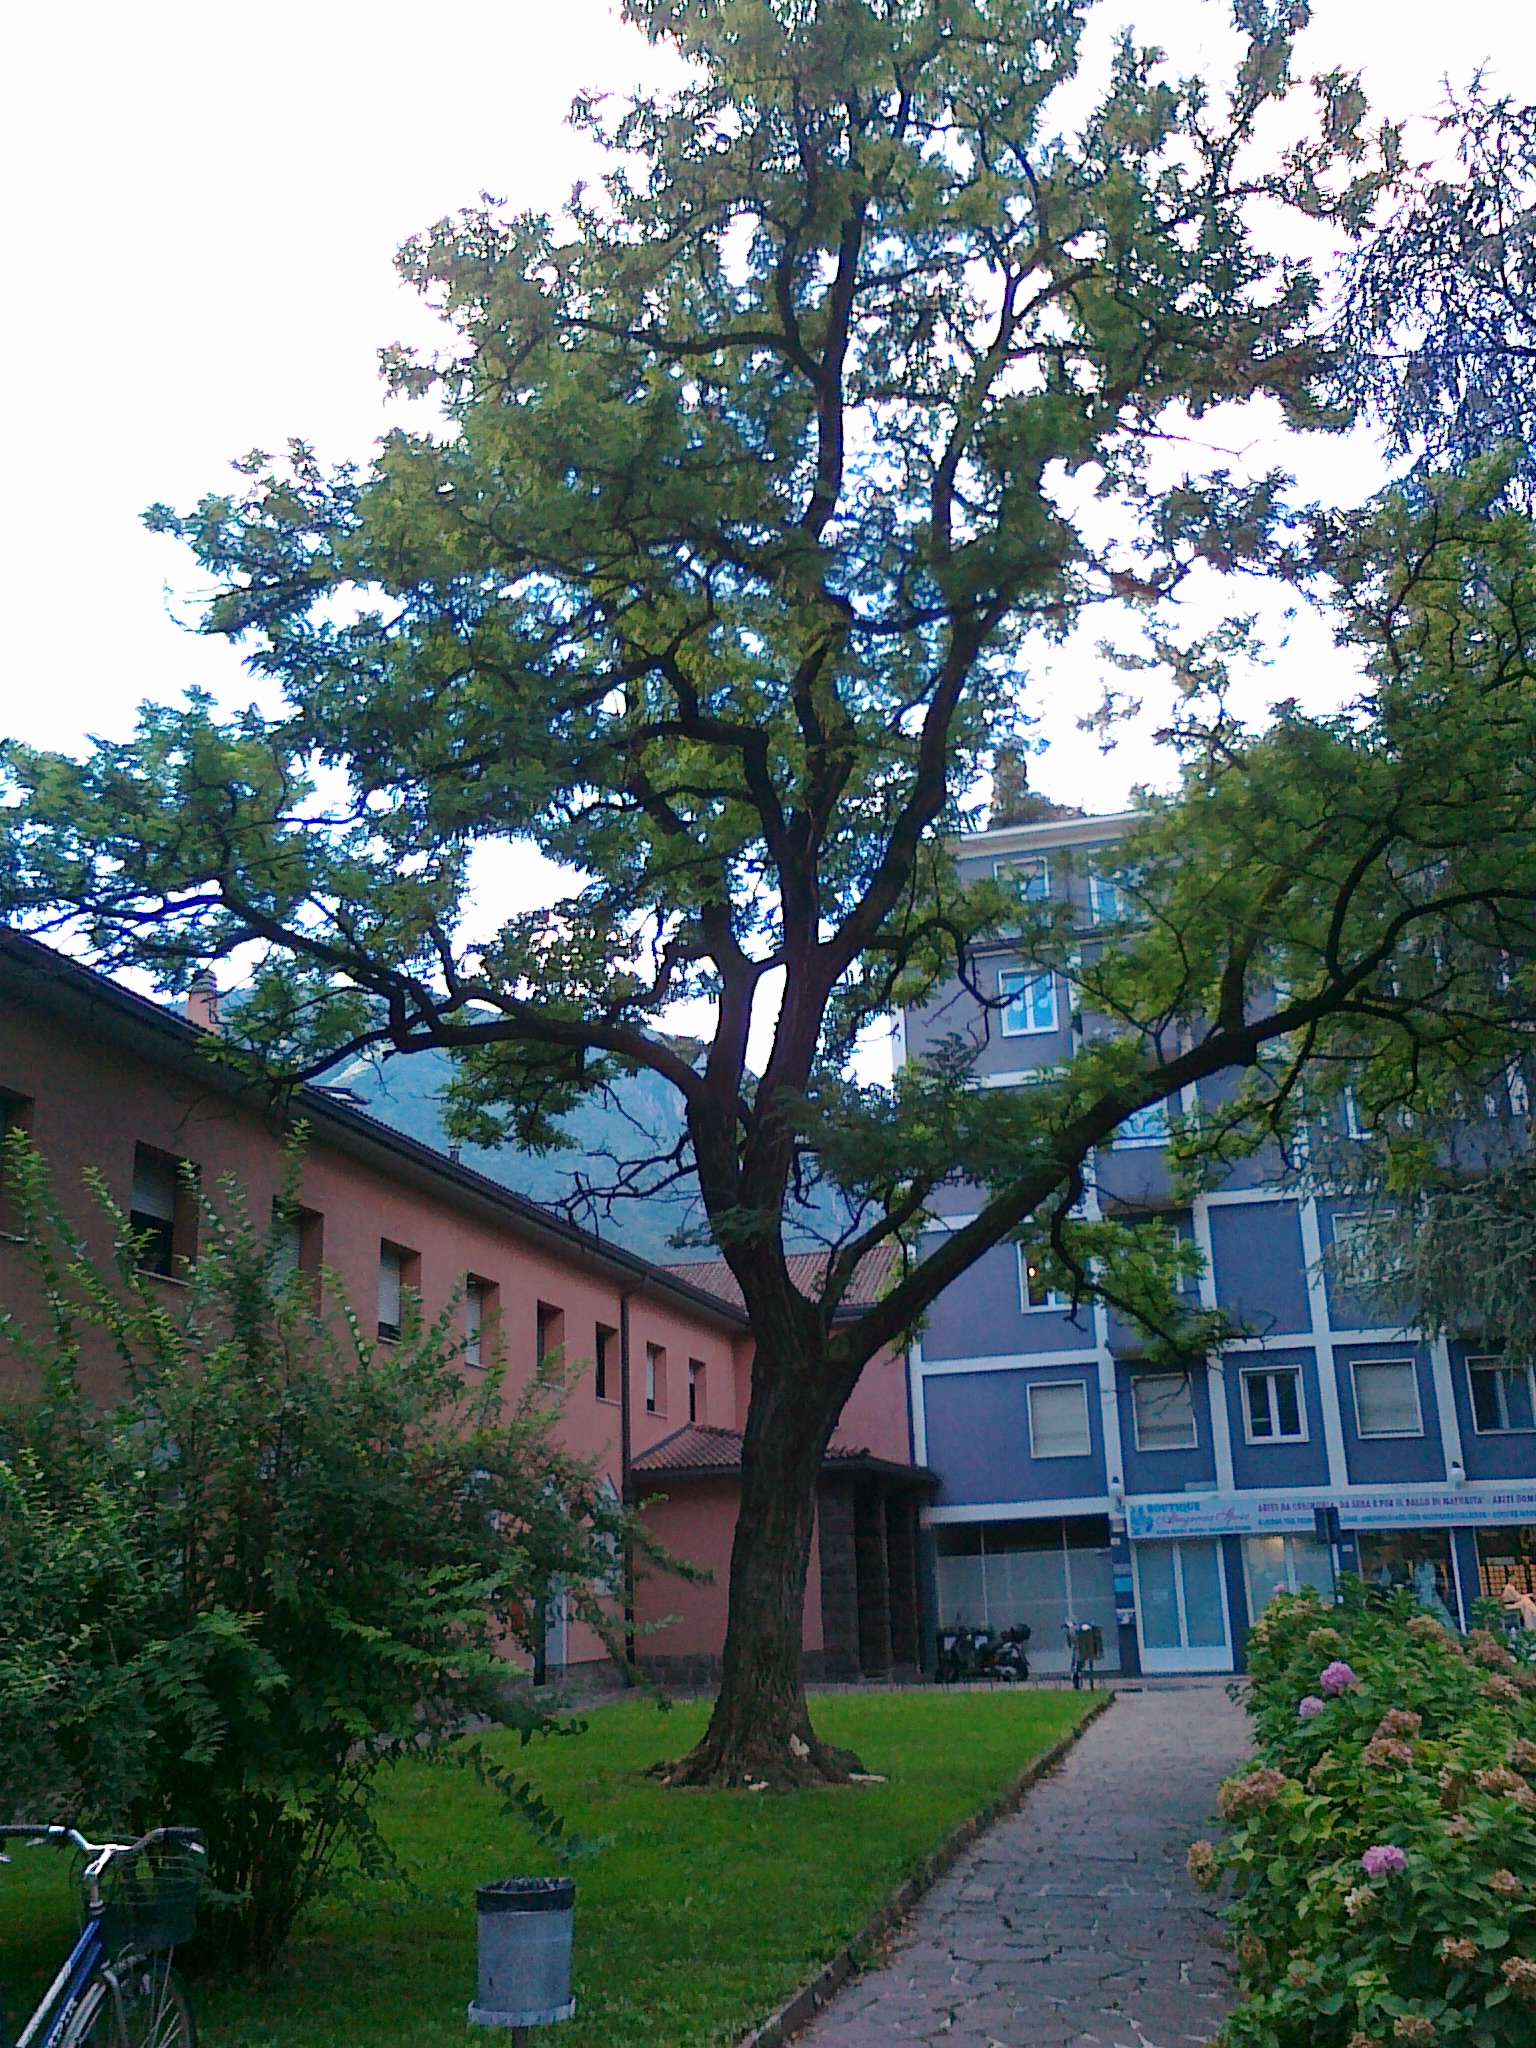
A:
[287,1557]
[1383,1846]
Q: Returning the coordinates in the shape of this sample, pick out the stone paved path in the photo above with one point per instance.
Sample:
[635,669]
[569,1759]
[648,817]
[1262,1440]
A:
[1072,1923]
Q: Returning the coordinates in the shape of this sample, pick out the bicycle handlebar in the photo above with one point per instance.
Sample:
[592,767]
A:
[98,1854]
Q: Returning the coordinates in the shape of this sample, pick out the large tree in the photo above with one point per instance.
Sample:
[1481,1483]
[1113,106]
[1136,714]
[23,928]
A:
[760,471]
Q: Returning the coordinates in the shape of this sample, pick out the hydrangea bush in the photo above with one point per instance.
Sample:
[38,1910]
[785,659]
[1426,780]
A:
[1382,1853]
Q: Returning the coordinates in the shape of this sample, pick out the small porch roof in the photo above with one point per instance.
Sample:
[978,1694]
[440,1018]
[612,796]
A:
[700,1451]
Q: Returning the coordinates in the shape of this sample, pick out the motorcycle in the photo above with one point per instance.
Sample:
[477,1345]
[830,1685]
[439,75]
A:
[970,1654]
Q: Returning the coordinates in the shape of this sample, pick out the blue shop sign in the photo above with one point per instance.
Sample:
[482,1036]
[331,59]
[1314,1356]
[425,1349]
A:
[1217,1514]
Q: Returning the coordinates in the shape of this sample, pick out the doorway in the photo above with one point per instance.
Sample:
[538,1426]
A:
[1181,1606]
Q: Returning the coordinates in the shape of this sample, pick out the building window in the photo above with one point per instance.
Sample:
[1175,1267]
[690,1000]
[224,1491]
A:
[1284,1564]
[479,1311]
[655,1380]
[15,1115]
[162,1212]
[1033,1290]
[1029,1002]
[605,1381]
[298,1241]
[1502,1397]
[550,1336]
[1030,876]
[1145,1126]
[1387,1397]
[399,1274]
[1351,1243]
[1112,898]
[1058,1419]
[1163,1405]
[695,1390]
[1272,1410]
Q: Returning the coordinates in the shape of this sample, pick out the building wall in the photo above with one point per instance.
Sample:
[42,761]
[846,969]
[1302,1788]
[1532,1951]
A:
[94,1091]
[91,1100]
[1436,1494]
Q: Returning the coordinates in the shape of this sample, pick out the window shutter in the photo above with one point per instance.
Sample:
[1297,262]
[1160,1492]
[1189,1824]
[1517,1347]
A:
[154,1187]
[389,1287]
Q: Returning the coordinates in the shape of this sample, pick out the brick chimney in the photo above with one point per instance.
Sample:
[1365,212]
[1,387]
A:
[202,1004]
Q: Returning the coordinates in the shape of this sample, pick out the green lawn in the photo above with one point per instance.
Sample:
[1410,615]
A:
[701,1913]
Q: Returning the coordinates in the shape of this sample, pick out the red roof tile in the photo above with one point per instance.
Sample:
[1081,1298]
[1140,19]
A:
[697,1448]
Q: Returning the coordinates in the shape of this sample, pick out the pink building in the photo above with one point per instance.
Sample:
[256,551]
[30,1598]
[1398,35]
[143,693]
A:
[660,1357]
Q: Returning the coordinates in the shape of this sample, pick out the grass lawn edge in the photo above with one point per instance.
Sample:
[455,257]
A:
[802,2006]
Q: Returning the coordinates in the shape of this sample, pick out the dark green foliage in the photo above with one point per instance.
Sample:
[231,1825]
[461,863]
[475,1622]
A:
[764,474]
[284,1559]
[1427,1747]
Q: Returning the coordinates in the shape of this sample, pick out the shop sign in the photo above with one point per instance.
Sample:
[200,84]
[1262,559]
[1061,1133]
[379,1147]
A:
[1216,1514]
[1457,1508]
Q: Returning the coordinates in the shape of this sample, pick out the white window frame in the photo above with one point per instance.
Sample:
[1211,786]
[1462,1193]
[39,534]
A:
[1027,868]
[1381,1436]
[1158,1450]
[1124,1139]
[1116,910]
[1487,1361]
[391,1291]
[474,1318]
[1270,1372]
[1054,1301]
[1343,1255]
[1043,1386]
[1026,977]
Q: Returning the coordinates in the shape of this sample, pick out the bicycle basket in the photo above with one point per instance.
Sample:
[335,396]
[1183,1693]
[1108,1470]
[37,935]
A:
[149,1897]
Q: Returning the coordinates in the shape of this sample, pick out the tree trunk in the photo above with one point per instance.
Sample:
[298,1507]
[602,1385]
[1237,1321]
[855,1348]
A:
[760,1733]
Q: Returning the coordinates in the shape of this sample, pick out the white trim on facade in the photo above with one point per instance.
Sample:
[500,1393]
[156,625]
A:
[915,1375]
[1445,1402]
[1054,1510]
[1011,1361]
[1215,1367]
[1330,1416]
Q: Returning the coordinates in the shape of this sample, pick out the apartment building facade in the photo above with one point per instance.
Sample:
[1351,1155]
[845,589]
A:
[1077,1484]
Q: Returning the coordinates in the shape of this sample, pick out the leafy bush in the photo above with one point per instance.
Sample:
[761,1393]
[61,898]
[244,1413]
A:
[286,1558]
[1383,1843]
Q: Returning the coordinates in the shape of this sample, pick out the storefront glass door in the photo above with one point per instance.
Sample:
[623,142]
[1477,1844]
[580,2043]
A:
[1181,1606]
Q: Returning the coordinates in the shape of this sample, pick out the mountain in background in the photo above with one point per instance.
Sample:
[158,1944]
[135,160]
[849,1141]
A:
[639,1116]
[642,1115]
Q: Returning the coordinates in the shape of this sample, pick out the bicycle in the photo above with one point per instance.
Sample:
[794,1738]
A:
[116,1988]
[1085,1645]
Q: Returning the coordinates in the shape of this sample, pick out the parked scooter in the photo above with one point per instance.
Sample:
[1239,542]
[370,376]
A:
[969,1654]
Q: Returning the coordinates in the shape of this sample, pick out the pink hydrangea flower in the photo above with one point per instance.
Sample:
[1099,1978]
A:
[1311,1705]
[1381,1858]
[1337,1677]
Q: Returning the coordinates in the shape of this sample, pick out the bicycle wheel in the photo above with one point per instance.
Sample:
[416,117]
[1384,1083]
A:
[134,2002]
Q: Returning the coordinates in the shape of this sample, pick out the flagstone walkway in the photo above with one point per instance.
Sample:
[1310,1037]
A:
[1072,1924]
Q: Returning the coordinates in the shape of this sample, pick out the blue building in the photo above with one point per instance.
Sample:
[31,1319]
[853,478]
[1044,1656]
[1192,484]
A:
[1075,1483]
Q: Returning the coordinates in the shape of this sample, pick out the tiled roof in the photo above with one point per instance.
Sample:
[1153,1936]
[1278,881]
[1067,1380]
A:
[693,1448]
[870,1279]
[698,1448]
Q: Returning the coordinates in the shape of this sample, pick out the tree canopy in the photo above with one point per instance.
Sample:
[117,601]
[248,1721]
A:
[759,478]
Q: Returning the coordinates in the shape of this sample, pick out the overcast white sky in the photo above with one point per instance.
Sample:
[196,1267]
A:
[202,203]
